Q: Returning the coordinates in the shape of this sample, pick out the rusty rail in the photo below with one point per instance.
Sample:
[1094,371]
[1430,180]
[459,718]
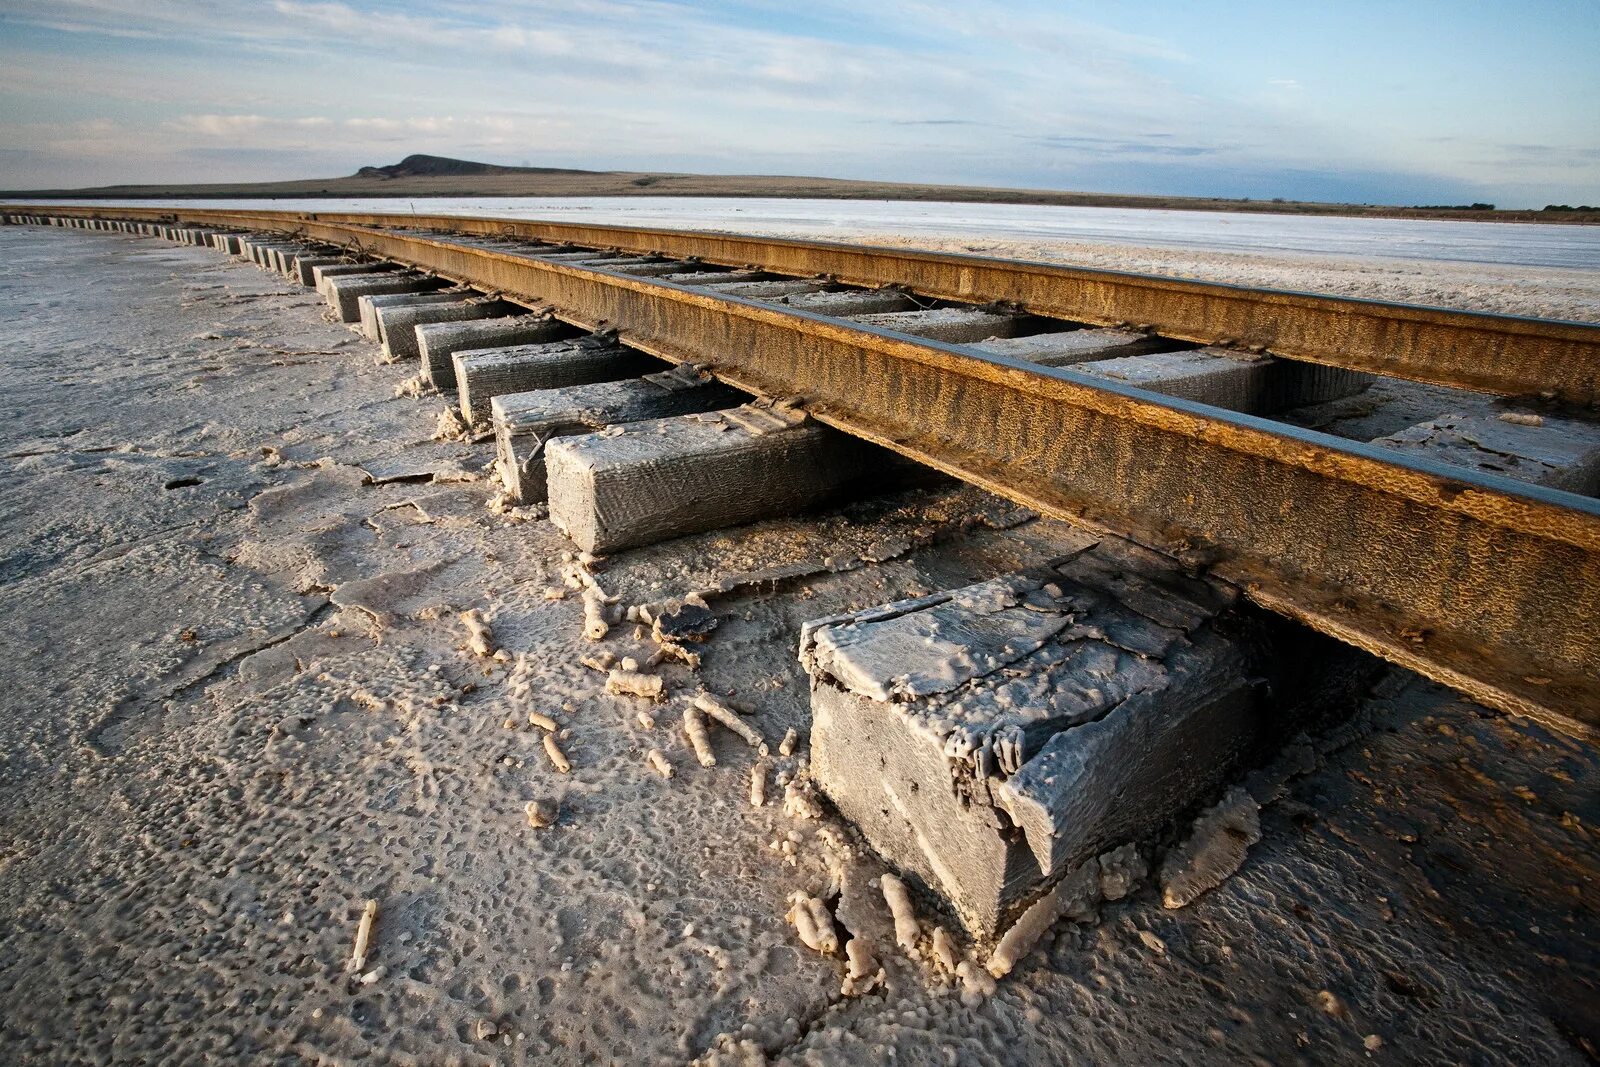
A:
[1488,585]
[1500,354]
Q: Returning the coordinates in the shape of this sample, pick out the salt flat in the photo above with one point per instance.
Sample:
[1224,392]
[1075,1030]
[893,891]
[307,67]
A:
[238,705]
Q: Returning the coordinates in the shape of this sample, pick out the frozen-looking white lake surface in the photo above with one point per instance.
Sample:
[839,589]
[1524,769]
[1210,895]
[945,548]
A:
[1505,244]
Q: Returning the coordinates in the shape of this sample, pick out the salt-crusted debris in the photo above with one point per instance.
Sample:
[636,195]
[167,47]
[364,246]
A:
[600,661]
[758,784]
[690,619]
[694,728]
[732,1052]
[1121,871]
[945,955]
[729,717]
[412,388]
[659,762]
[449,427]
[543,721]
[1215,848]
[540,815]
[634,684]
[673,650]
[786,746]
[814,923]
[1077,896]
[800,800]
[906,930]
[558,759]
[480,641]
[600,609]
[596,611]
[862,973]
[358,956]
[976,984]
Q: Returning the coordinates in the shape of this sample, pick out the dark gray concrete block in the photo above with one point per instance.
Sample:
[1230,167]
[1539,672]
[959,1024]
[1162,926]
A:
[320,275]
[990,739]
[482,374]
[345,292]
[715,277]
[525,423]
[649,481]
[957,325]
[302,268]
[849,302]
[1224,378]
[437,342]
[397,325]
[370,304]
[1561,453]
[1076,346]
[766,290]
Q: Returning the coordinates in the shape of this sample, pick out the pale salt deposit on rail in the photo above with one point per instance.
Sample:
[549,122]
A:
[273,658]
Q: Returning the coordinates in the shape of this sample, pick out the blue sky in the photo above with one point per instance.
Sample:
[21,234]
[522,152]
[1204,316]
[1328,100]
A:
[1413,102]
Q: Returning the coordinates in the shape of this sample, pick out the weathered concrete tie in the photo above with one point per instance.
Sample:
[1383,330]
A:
[344,293]
[370,304]
[302,268]
[957,325]
[650,481]
[437,342]
[766,290]
[849,301]
[1226,378]
[397,326]
[992,739]
[525,423]
[321,275]
[715,277]
[1562,453]
[484,373]
[639,268]
[1067,347]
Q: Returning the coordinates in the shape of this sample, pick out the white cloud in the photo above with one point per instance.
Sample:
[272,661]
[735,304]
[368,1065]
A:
[983,91]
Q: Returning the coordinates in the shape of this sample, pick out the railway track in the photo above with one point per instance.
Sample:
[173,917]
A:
[1461,543]
[1483,581]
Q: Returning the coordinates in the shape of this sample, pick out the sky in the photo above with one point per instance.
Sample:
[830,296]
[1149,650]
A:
[1370,101]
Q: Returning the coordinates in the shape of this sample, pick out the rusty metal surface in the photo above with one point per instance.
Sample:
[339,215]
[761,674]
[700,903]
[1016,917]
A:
[1485,584]
[1491,353]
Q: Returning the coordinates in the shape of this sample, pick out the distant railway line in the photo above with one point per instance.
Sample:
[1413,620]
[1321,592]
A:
[1465,546]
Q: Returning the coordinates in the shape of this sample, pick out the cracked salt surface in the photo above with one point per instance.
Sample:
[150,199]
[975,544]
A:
[236,711]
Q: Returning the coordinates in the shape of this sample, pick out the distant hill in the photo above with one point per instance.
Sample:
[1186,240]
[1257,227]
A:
[420,166]
[425,176]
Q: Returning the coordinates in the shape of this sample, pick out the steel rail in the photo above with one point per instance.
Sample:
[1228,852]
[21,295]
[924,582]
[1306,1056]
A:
[1501,354]
[1485,584]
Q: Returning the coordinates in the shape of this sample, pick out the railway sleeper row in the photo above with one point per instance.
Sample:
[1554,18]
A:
[1012,745]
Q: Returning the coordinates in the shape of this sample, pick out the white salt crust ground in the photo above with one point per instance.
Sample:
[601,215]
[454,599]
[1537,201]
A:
[1540,292]
[227,721]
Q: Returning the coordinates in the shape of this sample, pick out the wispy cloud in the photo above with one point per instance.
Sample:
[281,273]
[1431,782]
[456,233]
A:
[1004,91]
